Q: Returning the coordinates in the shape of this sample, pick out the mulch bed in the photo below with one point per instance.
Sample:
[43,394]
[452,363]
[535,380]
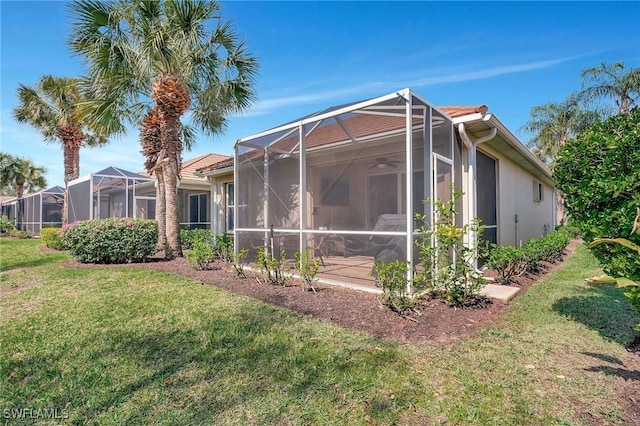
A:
[434,322]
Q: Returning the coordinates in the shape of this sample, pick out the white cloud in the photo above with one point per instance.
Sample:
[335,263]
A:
[276,103]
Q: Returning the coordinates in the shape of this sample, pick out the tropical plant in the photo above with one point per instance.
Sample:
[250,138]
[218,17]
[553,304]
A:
[612,81]
[165,51]
[599,175]
[53,107]
[21,174]
[552,124]
[152,150]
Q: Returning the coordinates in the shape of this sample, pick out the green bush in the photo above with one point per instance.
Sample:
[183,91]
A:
[507,261]
[598,173]
[188,236]
[6,224]
[510,262]
[223,248]
[307,267]
[51,237]
[113,240]
[200,255]
[392,278]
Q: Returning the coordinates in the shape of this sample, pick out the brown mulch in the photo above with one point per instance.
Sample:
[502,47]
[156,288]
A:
[435,321]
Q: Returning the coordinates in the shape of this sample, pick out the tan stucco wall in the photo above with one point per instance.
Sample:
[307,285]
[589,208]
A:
[516,197]
[218,202]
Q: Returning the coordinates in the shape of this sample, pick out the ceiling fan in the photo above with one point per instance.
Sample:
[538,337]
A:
[382,162]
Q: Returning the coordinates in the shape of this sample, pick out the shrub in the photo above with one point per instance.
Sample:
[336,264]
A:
[307,267]
[271,267]
[507,261]
[392,278]
[239,262]
[200,255]
[510,262]
[51,238]
[598,174]
[113,240]
[448,266]
[188,236]
[223,248]
[6,224]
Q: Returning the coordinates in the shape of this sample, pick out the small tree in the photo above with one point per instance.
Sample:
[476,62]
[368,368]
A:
[599,175]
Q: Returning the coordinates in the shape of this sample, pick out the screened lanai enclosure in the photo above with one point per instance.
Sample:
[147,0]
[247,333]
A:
[36,211]
[345,183]
[112,192]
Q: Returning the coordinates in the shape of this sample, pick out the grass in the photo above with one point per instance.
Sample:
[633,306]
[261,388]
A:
[128,345]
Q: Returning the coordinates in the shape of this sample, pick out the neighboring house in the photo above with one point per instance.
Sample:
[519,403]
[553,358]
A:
[351,162]
[102,194]
[195,202]
[35,211]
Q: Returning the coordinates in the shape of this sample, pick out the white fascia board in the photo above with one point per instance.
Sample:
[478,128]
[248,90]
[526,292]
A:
[519,146]
[510,138]
[297,124]
[220,172]
[190,183]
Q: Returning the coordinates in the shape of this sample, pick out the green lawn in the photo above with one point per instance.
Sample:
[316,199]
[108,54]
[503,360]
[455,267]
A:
[128,345]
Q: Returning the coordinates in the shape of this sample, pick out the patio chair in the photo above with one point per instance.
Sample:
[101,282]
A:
[379,246]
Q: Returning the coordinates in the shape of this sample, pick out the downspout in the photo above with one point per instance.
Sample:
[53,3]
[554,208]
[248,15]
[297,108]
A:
[472,205]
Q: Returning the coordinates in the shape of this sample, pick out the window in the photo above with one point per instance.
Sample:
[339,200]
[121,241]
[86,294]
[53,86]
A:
[230,205]
[538,192]
[197,210]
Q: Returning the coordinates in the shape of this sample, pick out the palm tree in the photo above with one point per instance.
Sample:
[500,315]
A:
[152,149]
[611,81]
[53,107]
[165,51]
[552,124]
[21,174]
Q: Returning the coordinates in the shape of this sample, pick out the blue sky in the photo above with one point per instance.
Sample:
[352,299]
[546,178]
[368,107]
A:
[510,56]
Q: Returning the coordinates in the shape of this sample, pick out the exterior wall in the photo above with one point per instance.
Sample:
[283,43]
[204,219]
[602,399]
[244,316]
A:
[184,209]
[516,197]
[218,202]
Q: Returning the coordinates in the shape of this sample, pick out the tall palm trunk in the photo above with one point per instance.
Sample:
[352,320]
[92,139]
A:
[161,212]
[19,205]
[72,138]
[151,141]
[171,171]
[172,98]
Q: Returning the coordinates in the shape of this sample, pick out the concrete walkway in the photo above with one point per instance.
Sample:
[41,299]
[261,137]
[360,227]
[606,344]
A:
[500,292]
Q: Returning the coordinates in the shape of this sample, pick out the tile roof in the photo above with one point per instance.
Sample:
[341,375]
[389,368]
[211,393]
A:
[459,110]
[360,125]
[189,167]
